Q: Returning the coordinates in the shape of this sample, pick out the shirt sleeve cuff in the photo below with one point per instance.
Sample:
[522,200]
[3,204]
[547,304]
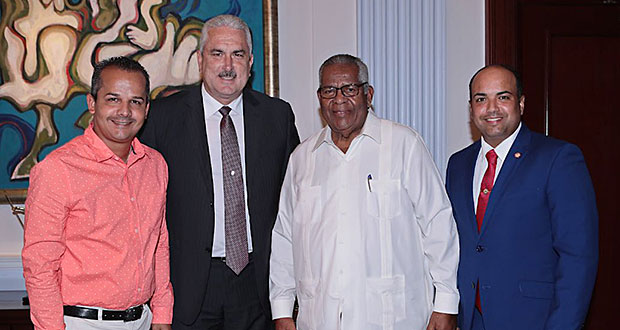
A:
[447,303]
[162,315]
[282,308]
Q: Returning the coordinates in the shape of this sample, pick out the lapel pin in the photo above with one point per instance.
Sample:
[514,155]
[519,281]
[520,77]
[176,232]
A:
[517,155]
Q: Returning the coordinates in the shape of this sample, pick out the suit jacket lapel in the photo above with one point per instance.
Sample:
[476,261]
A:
[255,137]
[467,187]
[195,122]
[511,163]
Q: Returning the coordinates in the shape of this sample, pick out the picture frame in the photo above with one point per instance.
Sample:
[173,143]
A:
[63,57]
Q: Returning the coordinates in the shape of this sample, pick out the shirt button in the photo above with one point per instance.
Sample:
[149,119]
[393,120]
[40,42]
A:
[140,261]
[136,230]
[232,173]
[479,248]
[132,199]
[139,289]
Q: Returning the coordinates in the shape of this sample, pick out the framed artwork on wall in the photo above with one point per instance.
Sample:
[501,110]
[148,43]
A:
[49,47]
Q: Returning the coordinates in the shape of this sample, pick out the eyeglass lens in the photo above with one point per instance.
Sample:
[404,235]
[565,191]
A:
[346,90]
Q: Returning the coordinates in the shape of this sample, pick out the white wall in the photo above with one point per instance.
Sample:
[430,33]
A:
[464,56]
[11,241]
[311,31]
[11,233]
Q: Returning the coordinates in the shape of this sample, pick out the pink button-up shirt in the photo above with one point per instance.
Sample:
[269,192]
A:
[95,231]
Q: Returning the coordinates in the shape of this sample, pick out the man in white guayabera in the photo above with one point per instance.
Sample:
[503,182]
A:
[365,237]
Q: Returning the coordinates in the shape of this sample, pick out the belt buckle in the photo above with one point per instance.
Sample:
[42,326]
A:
[133,313]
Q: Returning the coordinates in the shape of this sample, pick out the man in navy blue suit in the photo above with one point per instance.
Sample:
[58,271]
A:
[526,214]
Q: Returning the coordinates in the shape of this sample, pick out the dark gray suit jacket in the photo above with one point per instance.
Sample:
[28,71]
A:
[176,128]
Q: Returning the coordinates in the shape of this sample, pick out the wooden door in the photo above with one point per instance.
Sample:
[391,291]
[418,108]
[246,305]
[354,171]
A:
[568,53]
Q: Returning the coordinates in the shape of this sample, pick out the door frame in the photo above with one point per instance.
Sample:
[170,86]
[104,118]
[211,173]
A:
[500,32]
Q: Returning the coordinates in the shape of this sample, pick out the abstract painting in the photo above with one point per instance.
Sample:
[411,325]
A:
[48,50]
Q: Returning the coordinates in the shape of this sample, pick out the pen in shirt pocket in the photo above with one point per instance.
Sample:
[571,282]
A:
[368,180]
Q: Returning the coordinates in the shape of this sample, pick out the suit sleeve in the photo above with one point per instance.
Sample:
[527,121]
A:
[292,135]
[574,221]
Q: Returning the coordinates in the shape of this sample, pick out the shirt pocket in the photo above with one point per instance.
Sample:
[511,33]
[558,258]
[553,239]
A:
[383,198]
[307,207]
[385,300]
[310,313]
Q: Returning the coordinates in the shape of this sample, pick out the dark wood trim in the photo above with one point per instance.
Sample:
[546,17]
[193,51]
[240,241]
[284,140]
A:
[500,30]
[501,26]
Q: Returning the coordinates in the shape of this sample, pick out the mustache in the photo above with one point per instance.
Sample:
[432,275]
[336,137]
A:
[125,119]
[228,74]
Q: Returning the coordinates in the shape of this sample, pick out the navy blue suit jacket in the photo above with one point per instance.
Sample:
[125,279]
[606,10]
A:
[537,251]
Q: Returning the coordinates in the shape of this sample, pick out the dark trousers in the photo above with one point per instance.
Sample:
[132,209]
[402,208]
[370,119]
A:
[231,302]
[478,321]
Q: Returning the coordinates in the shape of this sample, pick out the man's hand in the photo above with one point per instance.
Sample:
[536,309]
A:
[161,326]
[441,321]
[286,323]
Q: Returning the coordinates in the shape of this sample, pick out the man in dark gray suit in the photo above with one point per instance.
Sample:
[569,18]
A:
[227,149]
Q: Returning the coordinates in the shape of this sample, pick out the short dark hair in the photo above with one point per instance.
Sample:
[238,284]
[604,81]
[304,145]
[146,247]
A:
[362,69]
[504,66]
[123,63]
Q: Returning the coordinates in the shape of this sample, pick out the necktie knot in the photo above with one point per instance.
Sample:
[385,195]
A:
[225,110]
[491,157]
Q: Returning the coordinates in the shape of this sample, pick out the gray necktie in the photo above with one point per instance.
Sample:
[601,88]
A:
[234,199]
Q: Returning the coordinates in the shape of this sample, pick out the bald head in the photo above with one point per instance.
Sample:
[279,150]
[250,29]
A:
[512,71]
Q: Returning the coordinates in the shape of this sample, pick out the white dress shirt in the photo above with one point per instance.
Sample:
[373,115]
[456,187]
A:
[363,239]
[501,150]
[213,118]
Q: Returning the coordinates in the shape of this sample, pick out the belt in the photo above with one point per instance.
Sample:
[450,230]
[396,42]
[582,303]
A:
[128,315]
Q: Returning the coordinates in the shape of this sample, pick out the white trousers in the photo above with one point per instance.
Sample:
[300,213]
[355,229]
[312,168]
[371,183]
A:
[144,323]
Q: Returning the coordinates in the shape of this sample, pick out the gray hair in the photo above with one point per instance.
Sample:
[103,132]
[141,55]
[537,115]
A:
[362,69]
[229,21]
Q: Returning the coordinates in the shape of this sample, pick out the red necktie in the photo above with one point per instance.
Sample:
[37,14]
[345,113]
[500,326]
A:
[486,187]
[483,200]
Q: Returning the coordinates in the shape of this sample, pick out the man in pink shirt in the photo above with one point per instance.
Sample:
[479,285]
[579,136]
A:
[95,244]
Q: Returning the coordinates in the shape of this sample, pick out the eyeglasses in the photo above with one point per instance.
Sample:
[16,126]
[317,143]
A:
[329,92]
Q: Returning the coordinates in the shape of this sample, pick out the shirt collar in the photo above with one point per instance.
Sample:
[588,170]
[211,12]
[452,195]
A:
[503,147]
[212,106]
[102,152]
[371,128]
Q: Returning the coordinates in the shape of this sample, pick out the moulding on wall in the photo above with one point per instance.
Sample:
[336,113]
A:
[11,274]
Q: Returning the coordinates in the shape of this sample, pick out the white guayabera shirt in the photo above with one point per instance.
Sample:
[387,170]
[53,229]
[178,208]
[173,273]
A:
[366,239]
